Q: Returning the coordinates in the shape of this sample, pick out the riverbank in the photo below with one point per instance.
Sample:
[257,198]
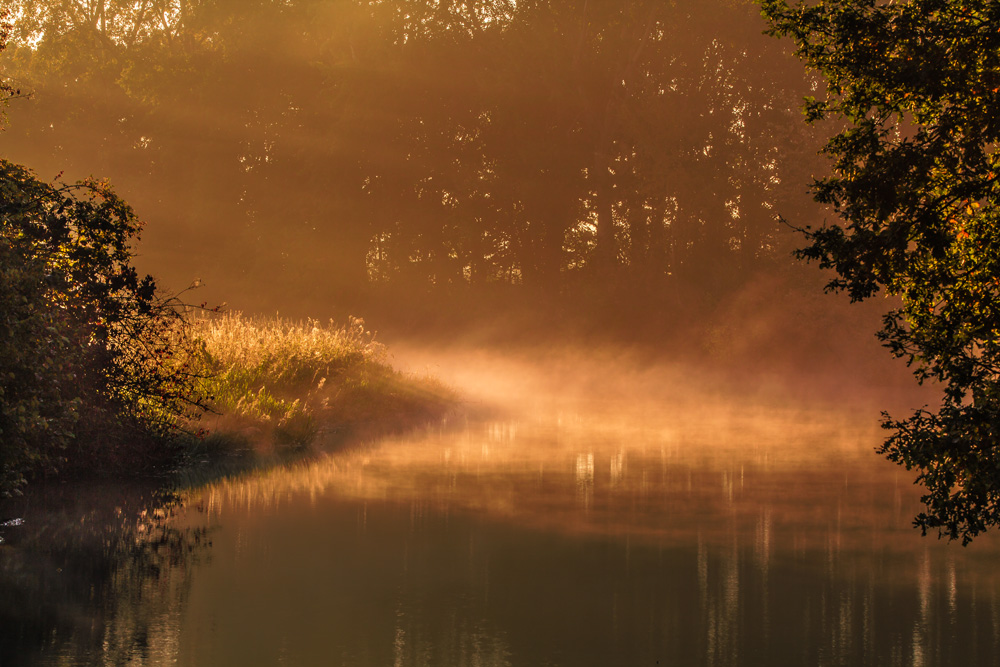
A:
[279,390]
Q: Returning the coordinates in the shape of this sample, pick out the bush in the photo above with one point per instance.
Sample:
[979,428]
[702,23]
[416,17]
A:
[35,363]
[95,367]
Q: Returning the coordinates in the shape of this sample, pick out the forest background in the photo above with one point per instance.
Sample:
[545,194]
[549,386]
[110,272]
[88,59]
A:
[481,171]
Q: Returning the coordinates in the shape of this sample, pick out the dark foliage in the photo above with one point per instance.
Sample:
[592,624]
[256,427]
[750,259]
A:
[916,85]
[94,366]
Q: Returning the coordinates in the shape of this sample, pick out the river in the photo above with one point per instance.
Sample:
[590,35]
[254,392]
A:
[572,533]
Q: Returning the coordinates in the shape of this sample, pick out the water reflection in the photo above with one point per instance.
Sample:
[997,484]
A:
[587,537]
[93,575]
[579,540]
[740,477]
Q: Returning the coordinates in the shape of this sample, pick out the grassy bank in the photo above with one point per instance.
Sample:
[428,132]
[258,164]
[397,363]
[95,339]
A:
[279,389]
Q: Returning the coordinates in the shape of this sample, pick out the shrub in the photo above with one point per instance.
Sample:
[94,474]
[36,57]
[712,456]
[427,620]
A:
[95,366]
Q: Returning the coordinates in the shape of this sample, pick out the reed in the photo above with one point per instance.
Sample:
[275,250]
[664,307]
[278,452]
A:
[277,384]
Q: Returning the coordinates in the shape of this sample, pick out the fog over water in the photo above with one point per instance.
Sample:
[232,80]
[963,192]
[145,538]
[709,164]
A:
[567,531]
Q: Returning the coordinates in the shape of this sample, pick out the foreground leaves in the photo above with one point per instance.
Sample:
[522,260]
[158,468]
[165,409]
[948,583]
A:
[96,368]
[913,87]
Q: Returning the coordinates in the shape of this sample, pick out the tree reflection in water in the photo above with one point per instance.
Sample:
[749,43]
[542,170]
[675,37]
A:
[570,537]
[582,540]
[93,574]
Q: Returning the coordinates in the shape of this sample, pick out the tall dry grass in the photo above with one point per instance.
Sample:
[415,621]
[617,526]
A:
[277,383]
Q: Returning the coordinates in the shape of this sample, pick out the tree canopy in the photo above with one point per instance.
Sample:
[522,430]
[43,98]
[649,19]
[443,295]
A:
[491,143]
[95,367]
[913,89]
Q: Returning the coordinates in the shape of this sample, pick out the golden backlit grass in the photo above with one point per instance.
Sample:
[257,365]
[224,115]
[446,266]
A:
[277,384]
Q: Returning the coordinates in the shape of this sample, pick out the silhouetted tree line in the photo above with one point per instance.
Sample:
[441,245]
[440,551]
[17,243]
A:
[550,145]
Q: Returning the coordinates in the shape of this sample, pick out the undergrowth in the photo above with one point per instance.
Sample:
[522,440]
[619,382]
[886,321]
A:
[279,387]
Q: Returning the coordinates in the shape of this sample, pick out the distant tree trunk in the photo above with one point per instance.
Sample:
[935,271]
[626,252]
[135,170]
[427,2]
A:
[638,233]
[606,252]
[657,265]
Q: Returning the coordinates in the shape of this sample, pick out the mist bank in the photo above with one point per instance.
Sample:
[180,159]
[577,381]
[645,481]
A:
[779,336]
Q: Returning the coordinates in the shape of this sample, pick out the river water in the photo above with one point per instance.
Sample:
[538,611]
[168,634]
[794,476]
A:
[574,533]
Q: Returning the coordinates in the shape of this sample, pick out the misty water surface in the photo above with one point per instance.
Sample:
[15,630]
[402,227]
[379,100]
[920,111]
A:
[567,531]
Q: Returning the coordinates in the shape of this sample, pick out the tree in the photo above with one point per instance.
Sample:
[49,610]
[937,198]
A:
[914,85]
[541,147]
[95,367]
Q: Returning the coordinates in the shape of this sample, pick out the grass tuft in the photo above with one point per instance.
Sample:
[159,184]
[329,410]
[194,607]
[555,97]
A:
[279,386]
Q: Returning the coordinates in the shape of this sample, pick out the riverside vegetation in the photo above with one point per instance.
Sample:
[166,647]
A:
[100,372]
[278,388]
